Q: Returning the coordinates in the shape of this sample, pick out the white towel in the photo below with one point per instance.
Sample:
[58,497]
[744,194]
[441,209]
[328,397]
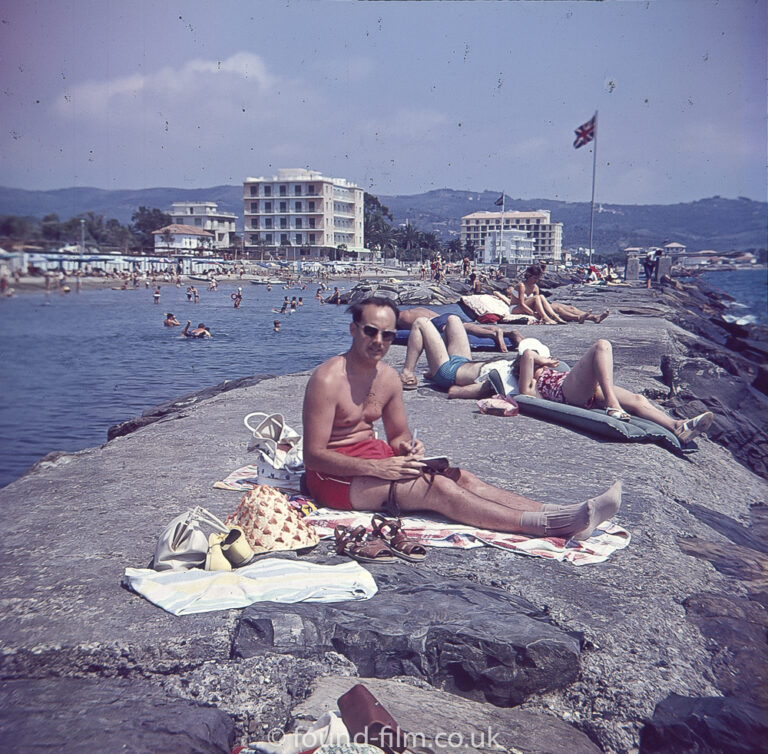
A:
[268,580]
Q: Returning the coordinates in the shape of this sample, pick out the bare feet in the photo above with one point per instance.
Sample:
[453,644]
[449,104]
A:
[598,319]
[584,317]
[501,344]
[408,380]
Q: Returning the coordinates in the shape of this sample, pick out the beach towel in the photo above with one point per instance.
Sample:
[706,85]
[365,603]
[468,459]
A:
[266,580]
[431,532]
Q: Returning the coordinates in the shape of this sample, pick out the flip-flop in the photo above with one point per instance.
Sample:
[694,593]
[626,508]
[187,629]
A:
[692,428]
[618,413]
[356,544]
[409,383]
[390,531]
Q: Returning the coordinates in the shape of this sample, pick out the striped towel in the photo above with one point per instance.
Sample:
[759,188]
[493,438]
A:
[266,580]
[431,532]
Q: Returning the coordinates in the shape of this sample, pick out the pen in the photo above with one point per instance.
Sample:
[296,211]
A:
[413,440]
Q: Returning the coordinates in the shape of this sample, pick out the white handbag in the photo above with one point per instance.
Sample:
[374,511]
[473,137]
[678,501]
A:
[183,543]
[280,450]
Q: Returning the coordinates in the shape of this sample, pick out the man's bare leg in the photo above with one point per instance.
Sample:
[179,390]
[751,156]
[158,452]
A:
[442,495]
[486,331]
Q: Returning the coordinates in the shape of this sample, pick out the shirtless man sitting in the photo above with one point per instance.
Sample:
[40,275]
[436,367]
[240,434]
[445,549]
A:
[407,317]
[349,469]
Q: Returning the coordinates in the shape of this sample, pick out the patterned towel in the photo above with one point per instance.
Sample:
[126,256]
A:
[241,480]
[605,540]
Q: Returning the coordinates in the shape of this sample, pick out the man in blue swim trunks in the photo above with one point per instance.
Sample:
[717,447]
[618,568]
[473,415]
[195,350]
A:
[449,359]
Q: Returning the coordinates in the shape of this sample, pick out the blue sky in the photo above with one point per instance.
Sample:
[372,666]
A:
[399,97]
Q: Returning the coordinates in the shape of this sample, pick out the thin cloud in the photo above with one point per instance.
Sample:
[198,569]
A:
[243,74]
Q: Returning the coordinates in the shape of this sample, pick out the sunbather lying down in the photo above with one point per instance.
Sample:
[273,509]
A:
[348,468]
[589,384]
[407,317]
[450,360]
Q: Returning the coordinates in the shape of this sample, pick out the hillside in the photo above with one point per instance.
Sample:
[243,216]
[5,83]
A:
[714,223]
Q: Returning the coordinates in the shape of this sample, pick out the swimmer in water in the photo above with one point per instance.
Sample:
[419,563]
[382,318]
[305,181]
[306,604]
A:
[201,331]
[170,320]
[276,325]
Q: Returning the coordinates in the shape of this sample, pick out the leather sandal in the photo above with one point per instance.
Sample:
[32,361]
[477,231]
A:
[391,532]
[356,544]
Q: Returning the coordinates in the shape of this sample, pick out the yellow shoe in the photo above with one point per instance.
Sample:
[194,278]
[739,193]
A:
[215,560]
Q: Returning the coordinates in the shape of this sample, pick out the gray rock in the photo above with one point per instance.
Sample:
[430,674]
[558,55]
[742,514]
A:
[88,715]
[682,725]
[475,641]
[444,722]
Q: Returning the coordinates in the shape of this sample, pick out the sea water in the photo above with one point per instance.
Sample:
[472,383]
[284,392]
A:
[749,288]
[72,365]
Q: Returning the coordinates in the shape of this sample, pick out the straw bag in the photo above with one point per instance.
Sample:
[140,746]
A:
[270,523]
[279,448]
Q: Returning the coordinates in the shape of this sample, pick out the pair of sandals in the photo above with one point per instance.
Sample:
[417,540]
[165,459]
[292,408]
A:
[383,544]
[227,550]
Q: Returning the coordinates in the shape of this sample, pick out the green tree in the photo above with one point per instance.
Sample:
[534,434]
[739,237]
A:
[51,228]
[146,220]
[453,248]
[376,225]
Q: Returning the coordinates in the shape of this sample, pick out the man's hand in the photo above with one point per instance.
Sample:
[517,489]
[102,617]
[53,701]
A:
[414,448]
[546,361]
[399,467]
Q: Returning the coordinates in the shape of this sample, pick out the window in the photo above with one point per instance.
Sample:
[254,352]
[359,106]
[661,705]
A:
[268,238]
[297,206]
[254,206]
[254,238]
[284,238]
[267,206]
[190,211]
[268,222]
[283,191]
[311,188]
[297,190]
[283,206]
[311,222]
[311,238]
[311,206]
[198,221]
[283,222]
[298,238]
[267,190]
[298,222]
[254,223]
[254,190]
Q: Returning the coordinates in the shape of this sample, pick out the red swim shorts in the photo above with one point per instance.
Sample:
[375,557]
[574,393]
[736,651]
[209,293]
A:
[333,491]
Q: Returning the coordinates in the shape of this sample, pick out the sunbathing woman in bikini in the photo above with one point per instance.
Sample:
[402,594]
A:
[589,384]
[526,298]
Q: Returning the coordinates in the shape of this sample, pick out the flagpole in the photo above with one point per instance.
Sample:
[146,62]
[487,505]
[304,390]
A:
[592,210]
[501,232]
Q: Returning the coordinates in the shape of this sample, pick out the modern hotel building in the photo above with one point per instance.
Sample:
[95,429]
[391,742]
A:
[547,236]
[301,213]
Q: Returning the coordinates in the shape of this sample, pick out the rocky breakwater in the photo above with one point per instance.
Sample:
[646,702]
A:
[661,647]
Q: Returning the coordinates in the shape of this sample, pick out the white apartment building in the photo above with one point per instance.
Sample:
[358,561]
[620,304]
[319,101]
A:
[302,213]
[547,236]
[513,246]
[183,239]
[206,216]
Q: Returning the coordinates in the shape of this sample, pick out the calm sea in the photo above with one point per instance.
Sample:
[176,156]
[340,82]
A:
[749,288]
[73,365]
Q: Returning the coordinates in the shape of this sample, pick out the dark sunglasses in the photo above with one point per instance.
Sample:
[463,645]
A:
[386,335]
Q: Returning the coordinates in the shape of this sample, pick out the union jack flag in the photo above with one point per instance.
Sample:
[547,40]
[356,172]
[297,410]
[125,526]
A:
[585,132]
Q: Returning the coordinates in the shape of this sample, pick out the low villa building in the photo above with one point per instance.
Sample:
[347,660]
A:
[183,239]
[513,246]
[206,216]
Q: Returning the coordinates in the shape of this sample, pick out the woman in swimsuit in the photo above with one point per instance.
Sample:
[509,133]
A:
[526,298]
[590,384]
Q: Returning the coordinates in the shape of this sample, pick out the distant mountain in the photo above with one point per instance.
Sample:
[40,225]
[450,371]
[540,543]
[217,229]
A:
[714,223]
